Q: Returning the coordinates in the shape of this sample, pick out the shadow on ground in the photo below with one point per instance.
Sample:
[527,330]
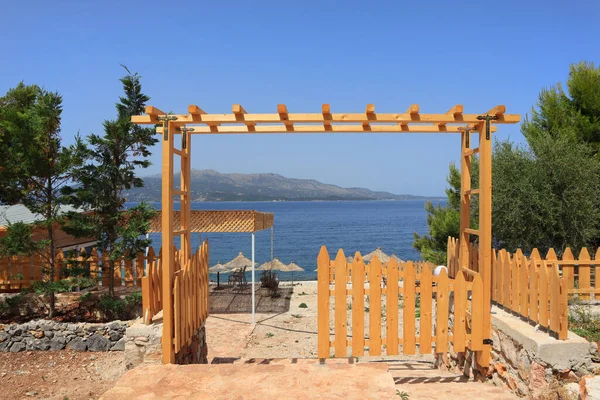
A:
[237,301]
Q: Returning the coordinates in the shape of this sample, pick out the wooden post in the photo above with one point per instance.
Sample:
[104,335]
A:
[485,235]
[465,200]
[186,245]
[168,259]
[323,301]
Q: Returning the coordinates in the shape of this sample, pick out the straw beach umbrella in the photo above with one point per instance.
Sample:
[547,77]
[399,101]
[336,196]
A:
[239,263]
[274,265]
[384,258]
[218,269]
[293,267]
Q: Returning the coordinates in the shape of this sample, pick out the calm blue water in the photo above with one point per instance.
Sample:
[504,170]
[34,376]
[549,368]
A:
[301,228]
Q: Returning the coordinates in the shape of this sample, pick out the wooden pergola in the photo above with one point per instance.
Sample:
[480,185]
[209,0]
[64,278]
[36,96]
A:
[198,122]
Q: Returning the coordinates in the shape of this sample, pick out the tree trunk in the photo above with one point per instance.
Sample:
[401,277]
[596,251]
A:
[111,277]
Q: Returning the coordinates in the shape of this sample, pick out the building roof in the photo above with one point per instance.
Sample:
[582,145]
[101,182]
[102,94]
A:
[20,213]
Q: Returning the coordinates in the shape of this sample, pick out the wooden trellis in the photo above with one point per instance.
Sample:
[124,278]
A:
[239,121]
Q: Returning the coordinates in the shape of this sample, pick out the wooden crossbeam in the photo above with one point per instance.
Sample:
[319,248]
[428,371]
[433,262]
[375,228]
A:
[240,113]
[183,119]
[150,110]
[455,111]
[326,111]
[370,109]
[303,128]
[413,110]
[497,111]
[283,115]
[470,152]
[195,110]
[238,109]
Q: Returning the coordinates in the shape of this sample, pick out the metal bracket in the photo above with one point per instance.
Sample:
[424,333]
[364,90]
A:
[487,118]
[184,131]
[488,341]
[467,130]
[165,119]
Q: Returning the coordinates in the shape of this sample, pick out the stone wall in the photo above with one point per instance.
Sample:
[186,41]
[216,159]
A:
[526,360]
[143,345]
[49,335]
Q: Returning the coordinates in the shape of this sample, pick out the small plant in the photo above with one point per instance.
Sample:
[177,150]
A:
[349,306]
[268,279]
[269,334]
[584,322]
[303,305]
[111,307]
[302,294]
[296,315]
[85,296]
[17,277]
[403,395]
[133,299]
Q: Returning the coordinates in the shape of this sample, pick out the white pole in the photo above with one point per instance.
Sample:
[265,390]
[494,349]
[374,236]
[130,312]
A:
[253,277]
[271,243]
[146,259]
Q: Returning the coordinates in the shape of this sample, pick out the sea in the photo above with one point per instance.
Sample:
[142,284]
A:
[302,227]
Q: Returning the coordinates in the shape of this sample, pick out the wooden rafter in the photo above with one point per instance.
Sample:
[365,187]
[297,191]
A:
[240,121]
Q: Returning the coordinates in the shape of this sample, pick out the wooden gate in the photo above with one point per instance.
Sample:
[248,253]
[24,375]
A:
[388,308]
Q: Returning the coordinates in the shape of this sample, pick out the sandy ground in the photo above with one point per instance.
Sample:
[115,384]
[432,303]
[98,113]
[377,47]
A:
[58,375]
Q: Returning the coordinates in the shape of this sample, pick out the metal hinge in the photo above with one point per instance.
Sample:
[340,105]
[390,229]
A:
[487,119]
[488,341]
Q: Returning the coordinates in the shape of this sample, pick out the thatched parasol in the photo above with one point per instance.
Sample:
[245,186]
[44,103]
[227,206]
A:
[218,269]
[384,258]
[239,263]
[293,267]
[274,265]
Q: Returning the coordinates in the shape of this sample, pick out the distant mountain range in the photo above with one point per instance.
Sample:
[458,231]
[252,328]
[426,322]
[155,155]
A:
[210,185]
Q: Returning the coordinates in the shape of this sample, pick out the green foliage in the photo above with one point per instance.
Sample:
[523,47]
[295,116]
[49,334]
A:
[85,297]
[268,279]
[573,114]
[444,220]
[545,195]
[303,305]
[403,395]
[111,163]
[269,334]
[18,241]
[111,307]
[133,299]
[584,322]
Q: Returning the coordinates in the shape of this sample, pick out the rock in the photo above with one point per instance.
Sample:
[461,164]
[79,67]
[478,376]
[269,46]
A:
[501,369]
[512,383]
[42,344]
[593,348]
[114,335]
[49,334]
[4,346]
[17,347]
[37,334]
[15,331]
[32,393]
[537,377]
[97,342]
[119,346]
[77,344]
[57,344]
[572,389]
[589,387]
[4,336]
[509,349]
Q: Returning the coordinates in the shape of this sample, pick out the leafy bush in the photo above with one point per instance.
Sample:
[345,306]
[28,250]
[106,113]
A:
[303,305]
[111,307]
[133,299]
[268,279]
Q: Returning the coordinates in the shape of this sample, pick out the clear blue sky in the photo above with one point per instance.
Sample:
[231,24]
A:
[303,54]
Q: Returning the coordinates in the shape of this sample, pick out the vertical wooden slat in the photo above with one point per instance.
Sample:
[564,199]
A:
[533,292]
[409,332]
[168,255]
[543,294]
[441,329]
[358,306]
[563,304]
[375,307]
[340,304]
[176,313]
[554,298]
[507,280]
[568,270]
[584,273]
[477,309]
[465,201]
[425,327]
[392,309]
[323,276]
[514,290]
[460,307]
[524,286]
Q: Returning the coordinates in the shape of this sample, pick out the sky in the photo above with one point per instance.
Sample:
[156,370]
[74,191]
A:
[303,54]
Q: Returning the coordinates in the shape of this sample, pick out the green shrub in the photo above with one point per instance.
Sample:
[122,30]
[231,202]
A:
[303,305]
[111,307]
[133,299]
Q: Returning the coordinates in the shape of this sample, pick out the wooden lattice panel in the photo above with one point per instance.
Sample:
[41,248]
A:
[219,221]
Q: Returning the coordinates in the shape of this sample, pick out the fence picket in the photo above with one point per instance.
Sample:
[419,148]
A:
[425,323]
[392,309]
[524,287]
[596,272]
[408,346]
[563,304]
[477,314]
[460,306]
[543,294]
[340,304]
[584,273]
[533,291]
[323,278]
[568,270]
[441,329]
[375,307]
[358,306]
[554,297]
[507,280]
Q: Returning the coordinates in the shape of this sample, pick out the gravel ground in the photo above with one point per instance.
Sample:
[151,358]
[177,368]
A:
[58,374]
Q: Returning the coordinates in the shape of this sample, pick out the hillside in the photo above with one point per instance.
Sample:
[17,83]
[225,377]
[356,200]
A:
[210,185]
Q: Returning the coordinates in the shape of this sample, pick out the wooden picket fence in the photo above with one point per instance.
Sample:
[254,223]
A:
[19,272]
[453,252]
[421,292]
[532,289]
[190,294]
